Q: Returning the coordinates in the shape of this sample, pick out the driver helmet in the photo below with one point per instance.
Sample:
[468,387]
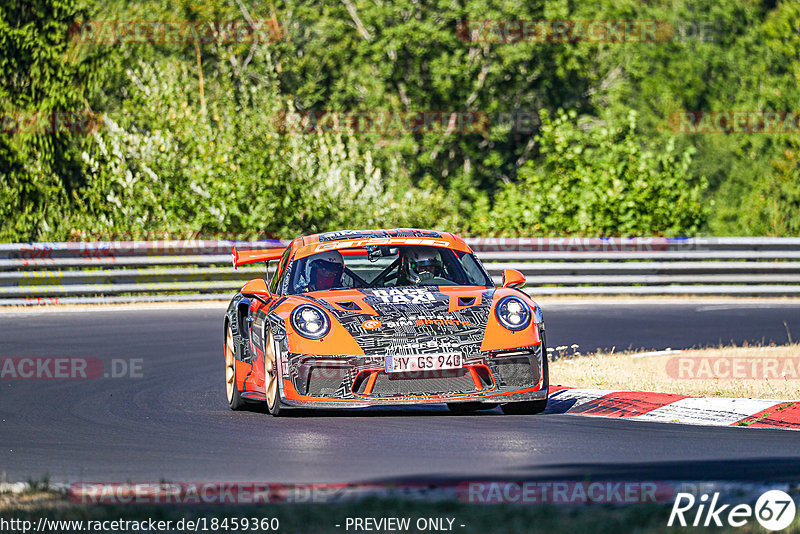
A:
[324,270]
[421,263]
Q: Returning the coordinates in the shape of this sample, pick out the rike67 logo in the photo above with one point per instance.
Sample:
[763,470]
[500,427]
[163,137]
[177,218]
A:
[774,510]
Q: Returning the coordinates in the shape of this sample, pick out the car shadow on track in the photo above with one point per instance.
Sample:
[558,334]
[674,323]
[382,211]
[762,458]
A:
[712,471]
[428,410]
[554,407]
[757,469]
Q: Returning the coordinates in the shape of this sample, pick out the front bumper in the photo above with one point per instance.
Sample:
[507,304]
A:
[358,381]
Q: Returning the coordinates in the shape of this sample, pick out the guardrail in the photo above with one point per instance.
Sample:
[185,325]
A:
[134,271]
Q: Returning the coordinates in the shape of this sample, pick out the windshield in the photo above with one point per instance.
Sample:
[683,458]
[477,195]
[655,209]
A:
[386,266]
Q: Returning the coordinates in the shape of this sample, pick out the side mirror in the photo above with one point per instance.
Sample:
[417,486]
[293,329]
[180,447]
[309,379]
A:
[513,278]
[256,288]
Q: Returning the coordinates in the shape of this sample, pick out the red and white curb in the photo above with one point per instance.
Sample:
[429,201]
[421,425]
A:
[669,408]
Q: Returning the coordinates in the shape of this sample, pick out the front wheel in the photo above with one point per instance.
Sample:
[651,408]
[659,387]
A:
[235,400]
[271,379]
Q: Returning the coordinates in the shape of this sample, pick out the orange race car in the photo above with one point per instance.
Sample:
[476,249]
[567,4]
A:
[383,317]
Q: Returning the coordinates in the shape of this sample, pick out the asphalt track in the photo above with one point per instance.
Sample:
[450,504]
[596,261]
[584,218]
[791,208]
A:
[173,423]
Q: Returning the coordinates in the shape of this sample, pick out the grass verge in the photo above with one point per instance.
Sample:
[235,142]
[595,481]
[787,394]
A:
[742,372]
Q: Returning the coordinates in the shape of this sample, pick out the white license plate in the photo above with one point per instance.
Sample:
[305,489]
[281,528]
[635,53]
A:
[423,362]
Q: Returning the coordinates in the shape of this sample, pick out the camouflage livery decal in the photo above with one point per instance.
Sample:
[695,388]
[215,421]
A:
[412,321]
[414,313]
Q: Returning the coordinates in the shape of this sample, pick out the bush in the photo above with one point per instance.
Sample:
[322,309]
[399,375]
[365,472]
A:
[166,166]
[594,179]
[770,205]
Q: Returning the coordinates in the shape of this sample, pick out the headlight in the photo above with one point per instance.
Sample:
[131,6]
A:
[513,313]
[310,321]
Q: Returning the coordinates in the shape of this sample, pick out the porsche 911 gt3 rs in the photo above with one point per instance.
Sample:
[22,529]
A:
[383,317]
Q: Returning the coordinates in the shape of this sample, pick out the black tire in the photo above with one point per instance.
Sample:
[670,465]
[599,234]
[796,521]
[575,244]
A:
[272,385]
[235,400]
[461,408]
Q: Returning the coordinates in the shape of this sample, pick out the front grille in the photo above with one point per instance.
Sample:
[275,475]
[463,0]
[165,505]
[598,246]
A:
[430,383]
[517,371]
[321,380]
[321,384]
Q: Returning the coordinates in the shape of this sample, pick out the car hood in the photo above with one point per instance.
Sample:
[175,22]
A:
[411,319]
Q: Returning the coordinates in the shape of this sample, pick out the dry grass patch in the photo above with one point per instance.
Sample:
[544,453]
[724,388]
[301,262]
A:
[745,372]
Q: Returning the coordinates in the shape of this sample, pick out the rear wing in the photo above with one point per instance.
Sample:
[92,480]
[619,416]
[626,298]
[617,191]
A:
[254,256]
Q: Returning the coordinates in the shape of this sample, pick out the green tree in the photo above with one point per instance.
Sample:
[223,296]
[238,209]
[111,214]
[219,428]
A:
[39,171]
[758,196]
[188,144]
[597,179]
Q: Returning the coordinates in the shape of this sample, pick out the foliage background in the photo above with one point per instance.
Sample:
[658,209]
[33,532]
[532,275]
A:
[579,142]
